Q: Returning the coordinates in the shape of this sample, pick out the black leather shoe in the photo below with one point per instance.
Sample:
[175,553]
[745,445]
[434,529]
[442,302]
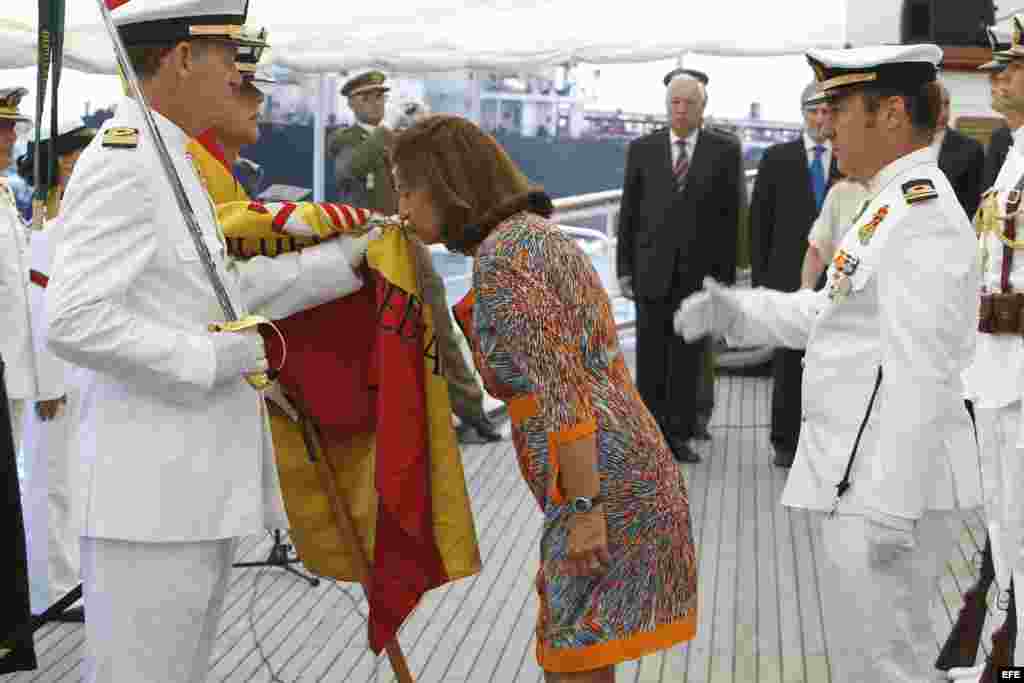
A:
[72,615]
[783,457]
[701,433]
[682,451]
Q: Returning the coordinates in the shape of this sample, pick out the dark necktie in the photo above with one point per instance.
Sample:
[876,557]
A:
[682,166]
[818,176]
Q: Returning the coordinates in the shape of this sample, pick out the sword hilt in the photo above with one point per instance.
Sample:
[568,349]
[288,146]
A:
[257,380]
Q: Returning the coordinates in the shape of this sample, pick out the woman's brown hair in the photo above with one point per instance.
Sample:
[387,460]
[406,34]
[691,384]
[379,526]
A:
[471,180]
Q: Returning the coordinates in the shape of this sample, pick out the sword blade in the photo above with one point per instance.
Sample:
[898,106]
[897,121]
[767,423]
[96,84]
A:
[170,172]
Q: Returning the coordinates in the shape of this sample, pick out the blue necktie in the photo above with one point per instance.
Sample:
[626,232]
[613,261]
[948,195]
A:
[818,176]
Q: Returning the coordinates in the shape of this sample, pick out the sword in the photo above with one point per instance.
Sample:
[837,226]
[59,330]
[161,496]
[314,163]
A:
[44,57]
[234,323]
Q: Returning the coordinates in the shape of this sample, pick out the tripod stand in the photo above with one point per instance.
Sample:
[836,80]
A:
[278,557]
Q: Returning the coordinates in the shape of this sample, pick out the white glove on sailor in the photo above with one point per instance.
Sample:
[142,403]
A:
[355,248]
[714,309]
[238,354]
[889,538]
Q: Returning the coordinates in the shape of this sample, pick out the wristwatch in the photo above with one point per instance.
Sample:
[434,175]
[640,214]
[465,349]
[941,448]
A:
[583,504]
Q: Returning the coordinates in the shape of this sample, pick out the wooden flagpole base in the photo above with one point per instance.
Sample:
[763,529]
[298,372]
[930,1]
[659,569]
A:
[347,530]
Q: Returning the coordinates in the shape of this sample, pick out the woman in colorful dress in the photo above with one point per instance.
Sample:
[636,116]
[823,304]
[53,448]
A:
[618,575]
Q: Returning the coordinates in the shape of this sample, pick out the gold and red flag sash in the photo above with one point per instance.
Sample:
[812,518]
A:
[365,371]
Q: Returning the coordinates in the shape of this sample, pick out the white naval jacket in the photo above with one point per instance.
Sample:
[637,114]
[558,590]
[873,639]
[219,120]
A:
[15,326]
[170,456]
[911,308]
[996,377]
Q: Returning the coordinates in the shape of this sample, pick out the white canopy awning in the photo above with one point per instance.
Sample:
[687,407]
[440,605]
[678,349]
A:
[417,36]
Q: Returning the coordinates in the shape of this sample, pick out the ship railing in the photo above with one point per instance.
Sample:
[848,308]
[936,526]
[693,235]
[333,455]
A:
[592,219]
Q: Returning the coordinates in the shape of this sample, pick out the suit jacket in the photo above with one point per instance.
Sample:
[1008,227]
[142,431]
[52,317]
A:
[669,240]
[362,168]
[962,159]
[782,210]
[1002,141]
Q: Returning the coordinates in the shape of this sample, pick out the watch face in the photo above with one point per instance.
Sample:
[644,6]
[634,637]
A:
[582,505]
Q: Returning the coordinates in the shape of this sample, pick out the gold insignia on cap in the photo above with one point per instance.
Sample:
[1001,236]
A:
[125,138]
[919,190]
[849,79]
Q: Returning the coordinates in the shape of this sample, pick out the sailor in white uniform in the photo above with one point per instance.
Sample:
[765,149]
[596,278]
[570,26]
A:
[995,380]
[887,454]
[16,340]
[53,477]
[175,440]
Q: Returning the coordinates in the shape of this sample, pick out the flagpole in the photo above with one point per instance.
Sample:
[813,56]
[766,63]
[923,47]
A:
[349,535]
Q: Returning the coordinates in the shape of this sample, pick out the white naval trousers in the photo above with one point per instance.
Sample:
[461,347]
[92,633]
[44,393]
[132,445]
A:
[1002,471]
[877,616]
[152,608]
[54,500]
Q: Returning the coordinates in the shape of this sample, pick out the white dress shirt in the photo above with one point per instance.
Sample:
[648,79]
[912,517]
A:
[691,145]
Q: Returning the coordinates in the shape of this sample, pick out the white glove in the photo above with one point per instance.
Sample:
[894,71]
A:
[238,354]
[355,248]
[889,538]
[626,287]
[714,309]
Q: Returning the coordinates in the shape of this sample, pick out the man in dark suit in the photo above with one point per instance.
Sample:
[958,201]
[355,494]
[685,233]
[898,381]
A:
[792,180]
[678,223]
[961,158]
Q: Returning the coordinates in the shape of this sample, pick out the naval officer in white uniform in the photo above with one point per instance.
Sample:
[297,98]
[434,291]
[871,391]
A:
[887,453]
[16,339]
[175,441]
[53,478]
[995,380]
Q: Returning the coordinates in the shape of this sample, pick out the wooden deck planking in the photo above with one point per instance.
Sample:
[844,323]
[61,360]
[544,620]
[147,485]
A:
[769,634]
[746,590]
[759,605]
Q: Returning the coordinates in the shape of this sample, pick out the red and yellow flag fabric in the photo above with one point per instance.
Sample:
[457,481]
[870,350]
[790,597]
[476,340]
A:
[364,369]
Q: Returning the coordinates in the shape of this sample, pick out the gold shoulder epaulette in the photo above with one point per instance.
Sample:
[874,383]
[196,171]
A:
[919,190]
[123,138]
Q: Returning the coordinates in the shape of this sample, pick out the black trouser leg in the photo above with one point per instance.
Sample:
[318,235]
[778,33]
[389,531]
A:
[787,373]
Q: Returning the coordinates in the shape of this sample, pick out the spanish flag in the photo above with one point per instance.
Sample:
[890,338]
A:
[377,436]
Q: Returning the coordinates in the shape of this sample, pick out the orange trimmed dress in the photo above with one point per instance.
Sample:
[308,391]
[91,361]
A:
[544,339]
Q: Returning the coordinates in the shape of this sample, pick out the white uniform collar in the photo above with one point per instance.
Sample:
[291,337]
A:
[176,139]
[925,155]
[366,126]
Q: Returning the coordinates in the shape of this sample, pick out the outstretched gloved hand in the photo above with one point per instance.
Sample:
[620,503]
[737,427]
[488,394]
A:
[711,310]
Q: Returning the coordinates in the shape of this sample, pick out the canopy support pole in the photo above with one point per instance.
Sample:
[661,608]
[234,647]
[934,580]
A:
[319,135]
